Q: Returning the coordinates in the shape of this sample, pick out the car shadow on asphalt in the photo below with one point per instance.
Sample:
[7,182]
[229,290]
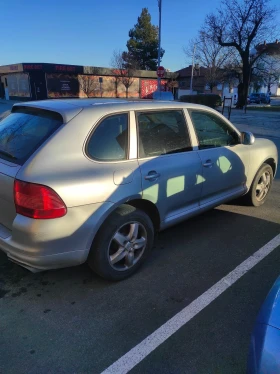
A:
[211,244]
[60,310]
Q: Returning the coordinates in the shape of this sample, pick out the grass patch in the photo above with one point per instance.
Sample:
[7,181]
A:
[275,108]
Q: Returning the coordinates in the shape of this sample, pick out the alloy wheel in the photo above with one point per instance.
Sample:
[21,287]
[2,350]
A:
[263,186]
[127,246]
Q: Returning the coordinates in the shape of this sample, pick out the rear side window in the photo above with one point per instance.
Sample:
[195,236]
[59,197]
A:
[24,130]
[109,141]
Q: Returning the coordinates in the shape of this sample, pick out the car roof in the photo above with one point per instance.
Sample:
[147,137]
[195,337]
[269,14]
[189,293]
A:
[68,108]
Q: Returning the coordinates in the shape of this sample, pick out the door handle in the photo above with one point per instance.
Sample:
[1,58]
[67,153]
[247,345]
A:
[208,164]
[152,176]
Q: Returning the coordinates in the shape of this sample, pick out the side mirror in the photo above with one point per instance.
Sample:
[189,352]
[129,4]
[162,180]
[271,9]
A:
[247,138]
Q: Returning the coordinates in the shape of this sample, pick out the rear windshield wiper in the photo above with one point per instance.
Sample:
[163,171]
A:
[4,153]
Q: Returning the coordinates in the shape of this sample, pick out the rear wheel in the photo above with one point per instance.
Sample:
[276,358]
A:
[122,244]
[261,186]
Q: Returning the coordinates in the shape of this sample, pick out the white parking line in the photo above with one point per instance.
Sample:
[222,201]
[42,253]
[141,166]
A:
[143,349]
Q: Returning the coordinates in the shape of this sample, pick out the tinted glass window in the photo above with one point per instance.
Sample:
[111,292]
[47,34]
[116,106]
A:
[212,131]
[24,130]
[109,142]
[162,133]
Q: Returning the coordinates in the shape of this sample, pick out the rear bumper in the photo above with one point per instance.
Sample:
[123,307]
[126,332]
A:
[51,244]
[41,263]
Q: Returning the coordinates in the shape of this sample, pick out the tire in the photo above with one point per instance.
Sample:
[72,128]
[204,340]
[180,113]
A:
[119,248]
[254,196]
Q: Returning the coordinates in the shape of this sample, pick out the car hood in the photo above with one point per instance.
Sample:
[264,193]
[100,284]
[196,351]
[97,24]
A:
[270,310]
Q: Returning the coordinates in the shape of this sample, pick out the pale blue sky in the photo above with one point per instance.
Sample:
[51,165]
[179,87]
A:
[86,32]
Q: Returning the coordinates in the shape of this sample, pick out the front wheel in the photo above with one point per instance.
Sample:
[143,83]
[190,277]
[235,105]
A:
[122,244]
[261,186]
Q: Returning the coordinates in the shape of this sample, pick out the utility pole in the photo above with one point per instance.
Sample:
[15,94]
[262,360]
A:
[159,41]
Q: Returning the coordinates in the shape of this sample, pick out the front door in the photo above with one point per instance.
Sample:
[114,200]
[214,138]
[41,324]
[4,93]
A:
[38,85]
[224,159]
[39,90]
[170,169]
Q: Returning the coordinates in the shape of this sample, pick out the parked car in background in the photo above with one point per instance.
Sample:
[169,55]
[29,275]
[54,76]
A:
[93,180]
[264,353]
[259,98]
[265,98]
[254,98]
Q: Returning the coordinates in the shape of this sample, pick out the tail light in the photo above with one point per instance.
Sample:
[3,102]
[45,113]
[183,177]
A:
[37,201]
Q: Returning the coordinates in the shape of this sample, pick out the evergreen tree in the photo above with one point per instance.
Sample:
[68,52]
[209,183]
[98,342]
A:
[143,43]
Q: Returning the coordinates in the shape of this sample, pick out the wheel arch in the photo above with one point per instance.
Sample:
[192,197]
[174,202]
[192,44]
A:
[149,208]
[145,205]
[272,163]
[269,161]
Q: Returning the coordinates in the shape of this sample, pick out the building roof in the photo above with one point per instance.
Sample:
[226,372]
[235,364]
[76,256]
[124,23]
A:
[269,48]
[74,69]
[187,71]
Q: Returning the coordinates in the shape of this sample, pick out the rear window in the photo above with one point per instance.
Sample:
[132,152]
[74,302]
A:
[24,130]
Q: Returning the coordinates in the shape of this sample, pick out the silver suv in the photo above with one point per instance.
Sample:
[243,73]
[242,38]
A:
[93,180]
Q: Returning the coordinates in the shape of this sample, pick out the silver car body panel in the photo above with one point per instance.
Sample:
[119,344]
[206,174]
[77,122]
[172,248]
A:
[8,171]
[91,190]
[178,188]
[66,108]
[51,244]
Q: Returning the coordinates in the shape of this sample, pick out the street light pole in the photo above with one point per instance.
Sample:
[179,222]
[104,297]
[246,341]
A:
[159,41]
[191,85]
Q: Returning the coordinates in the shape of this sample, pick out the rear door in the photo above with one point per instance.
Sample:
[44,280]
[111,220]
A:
[21,133]
[171,170]
[113,174]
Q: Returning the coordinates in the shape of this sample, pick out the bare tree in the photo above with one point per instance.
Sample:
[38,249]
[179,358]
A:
[242,24]
[88,85]
[124,75]
[266,72]
[232,74]
[172,82]
[210,55]
[116,80]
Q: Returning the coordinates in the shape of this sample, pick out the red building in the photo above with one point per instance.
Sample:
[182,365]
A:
[39,81]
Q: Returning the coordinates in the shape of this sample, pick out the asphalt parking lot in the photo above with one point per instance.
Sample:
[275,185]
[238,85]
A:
[71,321]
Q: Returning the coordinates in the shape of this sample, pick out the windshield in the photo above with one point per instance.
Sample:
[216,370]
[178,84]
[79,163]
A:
[24,130]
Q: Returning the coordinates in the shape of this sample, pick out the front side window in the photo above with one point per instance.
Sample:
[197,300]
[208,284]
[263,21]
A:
[212,131]
[109,141]
[162,133]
